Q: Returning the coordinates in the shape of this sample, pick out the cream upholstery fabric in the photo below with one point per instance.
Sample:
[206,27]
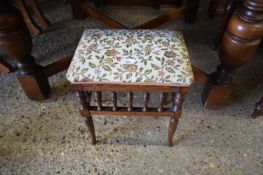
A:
[131,56]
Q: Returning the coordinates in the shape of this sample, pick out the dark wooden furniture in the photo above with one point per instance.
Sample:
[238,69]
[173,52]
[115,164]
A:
[22,6]
[238,46]
[228,12]
[258,109]
[91,8]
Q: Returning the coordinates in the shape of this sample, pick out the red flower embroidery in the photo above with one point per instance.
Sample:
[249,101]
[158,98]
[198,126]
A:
[161,73]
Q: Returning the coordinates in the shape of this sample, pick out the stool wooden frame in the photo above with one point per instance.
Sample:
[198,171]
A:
[86,110]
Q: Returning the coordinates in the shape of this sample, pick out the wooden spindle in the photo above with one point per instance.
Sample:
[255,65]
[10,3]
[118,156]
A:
[162,101]
[99,99]
[146,101]
[114,101]
[82,100]
[88,97]
[178,99]
[130,100]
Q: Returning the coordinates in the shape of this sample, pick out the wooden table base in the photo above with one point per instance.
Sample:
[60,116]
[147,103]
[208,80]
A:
[238,46]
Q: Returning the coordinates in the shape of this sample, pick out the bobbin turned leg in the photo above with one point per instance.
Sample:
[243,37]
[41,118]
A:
[238,46]
[84,100]
[178,99]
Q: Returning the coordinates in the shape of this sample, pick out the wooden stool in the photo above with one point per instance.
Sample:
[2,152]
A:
[131,61]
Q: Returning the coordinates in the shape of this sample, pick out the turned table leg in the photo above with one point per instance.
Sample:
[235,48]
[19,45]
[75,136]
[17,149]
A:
[178,99]
[15,41]
[84,101]
[238,46]
[259,109]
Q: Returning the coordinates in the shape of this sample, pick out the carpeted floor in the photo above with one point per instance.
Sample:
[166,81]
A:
[50,137]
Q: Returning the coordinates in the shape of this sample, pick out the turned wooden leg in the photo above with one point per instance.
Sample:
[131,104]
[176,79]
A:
[238,46]
[172,128]
[191,11]
[38,12]
[20,4]
[15,41]
[84,100]
[76,9]
[259,109]
[212,7]
[178,99]
[228,12]
[90,125]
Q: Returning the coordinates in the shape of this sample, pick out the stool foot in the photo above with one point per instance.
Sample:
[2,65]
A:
[90,125]
[172,128]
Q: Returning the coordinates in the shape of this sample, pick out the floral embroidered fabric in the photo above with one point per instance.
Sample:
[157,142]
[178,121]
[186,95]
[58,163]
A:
[131,56]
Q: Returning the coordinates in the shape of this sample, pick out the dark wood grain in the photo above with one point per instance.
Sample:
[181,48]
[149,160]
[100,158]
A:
[15,41]
[238,46]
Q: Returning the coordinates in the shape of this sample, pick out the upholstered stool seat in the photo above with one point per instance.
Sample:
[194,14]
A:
[131,60]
